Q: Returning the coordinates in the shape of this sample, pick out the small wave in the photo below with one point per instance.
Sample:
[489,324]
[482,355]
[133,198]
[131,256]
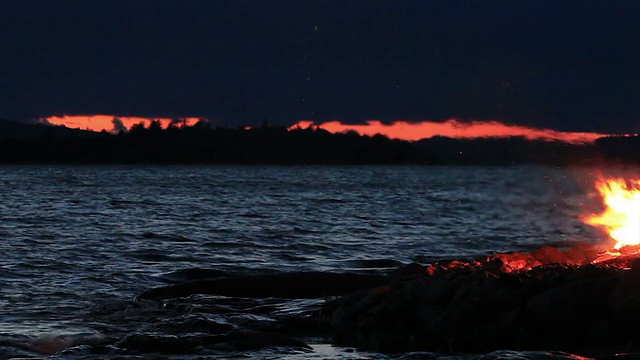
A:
[52,344]
[528,355]
[157,256]
[295,257]
[120,203]
[303,230]
[253,215]
[309,246]
[375,263]
[238,244]
[190,274]
[176,238]
[328,200]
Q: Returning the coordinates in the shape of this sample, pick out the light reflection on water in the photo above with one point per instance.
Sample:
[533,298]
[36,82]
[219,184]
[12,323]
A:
[76,236]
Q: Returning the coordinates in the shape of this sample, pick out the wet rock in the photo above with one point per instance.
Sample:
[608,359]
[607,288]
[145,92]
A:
[550,255]
[463,306]
[541,300]
[581,254]
[465,310]
[408,271]
[624,300]
[567,305]
[430,317]
[485,337]
[191,274]
[562,316]
[197,343]
[187,324]
[433,291]
[302,326]
[635,268]
[168,344]
[510,320]
[345,315]
[53,344]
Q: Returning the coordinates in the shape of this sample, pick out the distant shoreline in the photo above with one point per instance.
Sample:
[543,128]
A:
[202,145]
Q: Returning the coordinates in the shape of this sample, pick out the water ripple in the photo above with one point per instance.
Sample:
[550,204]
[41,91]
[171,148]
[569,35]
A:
[76,236]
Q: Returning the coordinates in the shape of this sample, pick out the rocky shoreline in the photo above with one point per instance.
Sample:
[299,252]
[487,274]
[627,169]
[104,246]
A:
[575,308]
[548,300]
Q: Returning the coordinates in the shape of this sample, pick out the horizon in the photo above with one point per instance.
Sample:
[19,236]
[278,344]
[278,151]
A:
[566,67]
[401,130]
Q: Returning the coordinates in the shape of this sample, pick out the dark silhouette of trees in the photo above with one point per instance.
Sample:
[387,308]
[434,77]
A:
[202,144]
[622,148]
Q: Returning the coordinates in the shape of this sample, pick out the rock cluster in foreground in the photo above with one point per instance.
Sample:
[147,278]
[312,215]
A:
[479,307]
[544,300]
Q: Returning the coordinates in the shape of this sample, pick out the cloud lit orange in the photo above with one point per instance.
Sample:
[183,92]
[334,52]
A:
[397,130]
[106,122]
[452,128]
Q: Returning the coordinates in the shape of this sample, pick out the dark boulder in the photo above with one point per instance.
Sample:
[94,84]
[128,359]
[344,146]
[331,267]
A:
[484,306]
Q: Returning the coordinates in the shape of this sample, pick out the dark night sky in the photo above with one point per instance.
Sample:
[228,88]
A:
[566,65]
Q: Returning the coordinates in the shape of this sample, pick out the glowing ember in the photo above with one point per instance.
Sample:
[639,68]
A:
[621,217]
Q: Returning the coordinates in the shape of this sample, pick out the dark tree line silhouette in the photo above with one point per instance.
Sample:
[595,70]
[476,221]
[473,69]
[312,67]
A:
[202,144]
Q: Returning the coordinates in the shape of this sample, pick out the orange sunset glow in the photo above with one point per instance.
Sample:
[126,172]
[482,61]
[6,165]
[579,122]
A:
[108,122]
[402,130]
[452,128]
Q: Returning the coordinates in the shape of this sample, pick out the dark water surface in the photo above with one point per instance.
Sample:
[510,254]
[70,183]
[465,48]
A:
[75,239]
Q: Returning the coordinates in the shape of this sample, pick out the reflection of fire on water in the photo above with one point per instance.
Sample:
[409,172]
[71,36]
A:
[620,219]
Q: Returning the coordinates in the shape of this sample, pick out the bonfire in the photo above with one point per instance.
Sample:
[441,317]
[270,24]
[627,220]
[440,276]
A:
[584,300]
[527,301]
[621,217]
[620,220]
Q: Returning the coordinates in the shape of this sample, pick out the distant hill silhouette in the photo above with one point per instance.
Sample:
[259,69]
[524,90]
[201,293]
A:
[623,148]
[201,144]
[506,151]
[21,131]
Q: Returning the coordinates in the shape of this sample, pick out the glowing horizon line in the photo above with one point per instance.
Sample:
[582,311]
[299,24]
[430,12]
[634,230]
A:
[111,123]
[453,128]
[403,130]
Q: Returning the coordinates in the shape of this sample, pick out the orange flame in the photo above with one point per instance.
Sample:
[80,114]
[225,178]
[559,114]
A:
[621,218]
[452,128]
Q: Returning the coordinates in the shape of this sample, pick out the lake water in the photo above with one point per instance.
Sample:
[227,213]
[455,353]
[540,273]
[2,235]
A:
[77,239]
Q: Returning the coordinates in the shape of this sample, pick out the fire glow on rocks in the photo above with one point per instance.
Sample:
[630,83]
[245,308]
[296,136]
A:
[621,218]
[527,301]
